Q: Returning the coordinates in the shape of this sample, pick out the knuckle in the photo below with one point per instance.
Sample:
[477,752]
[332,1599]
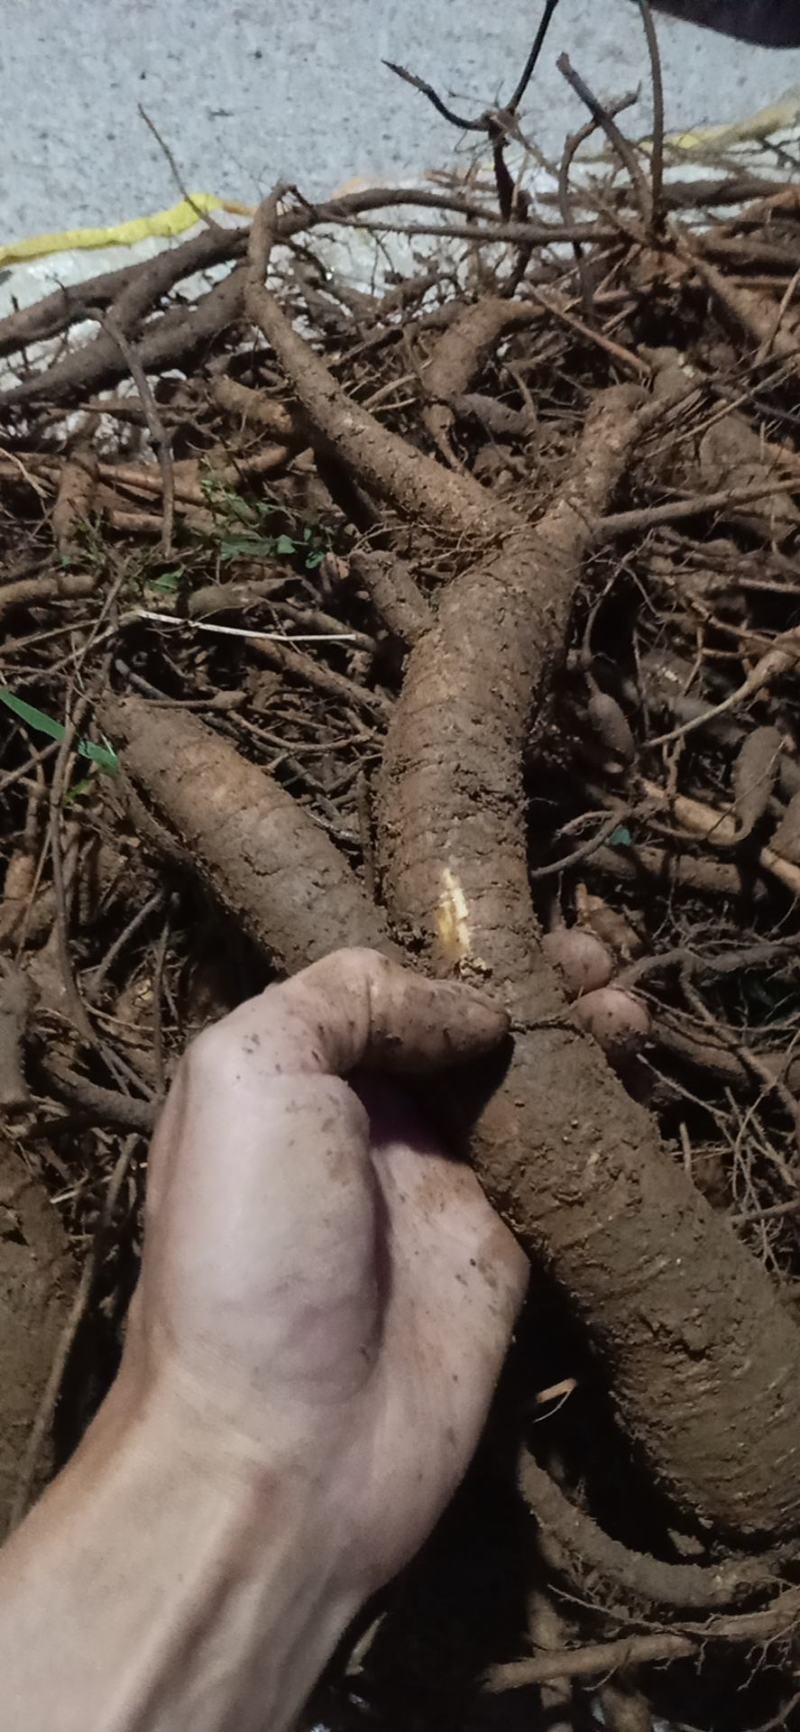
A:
[212,1056]
[358,959]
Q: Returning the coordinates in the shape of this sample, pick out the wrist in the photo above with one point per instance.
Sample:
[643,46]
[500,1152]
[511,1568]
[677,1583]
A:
[187,1584]
[265,1591]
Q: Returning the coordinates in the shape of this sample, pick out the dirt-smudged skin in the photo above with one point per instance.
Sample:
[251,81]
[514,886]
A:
[573,1162]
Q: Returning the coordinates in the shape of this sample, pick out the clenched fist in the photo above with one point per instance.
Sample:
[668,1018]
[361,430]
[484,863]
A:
[323,1309]
[319,1278]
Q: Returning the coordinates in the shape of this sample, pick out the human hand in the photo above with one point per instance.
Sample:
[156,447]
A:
[322,1289]
[323,1308]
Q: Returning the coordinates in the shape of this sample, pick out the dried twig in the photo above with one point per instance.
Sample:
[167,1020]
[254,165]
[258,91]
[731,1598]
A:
[584,852]
[700,819]
[781,658]
[571,148]
[657,150]
[696,505]
[158,432]
[536,49]
[777,1621]
[602,117]
[203,216]
[498,123]
[74,1001]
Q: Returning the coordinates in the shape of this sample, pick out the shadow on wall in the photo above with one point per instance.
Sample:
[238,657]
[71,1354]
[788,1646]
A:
[772,23]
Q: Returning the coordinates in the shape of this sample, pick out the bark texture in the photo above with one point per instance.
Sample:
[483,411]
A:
[258,853]
[703,1362]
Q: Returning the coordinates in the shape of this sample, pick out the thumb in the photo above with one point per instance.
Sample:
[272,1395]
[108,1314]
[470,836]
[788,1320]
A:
[357,1008]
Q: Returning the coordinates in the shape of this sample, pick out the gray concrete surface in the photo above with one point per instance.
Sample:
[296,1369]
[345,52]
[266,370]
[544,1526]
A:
[249,91]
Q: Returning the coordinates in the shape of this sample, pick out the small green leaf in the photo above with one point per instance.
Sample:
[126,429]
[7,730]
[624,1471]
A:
[314,559]
[621,837]
[285,545]
[37,719]
[247,547]
[168,582]
[104,756]
[78,789]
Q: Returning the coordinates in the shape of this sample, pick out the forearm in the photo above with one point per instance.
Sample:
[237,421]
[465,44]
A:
[155,1590]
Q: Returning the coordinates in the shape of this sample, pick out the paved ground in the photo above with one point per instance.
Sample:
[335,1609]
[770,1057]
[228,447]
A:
[247,91]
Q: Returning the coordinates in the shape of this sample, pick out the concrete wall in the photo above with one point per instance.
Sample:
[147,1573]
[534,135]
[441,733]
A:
[252,91]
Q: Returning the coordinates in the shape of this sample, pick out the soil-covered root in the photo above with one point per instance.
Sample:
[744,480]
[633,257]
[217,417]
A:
[259,854]
[704,1363]
[578,1549]
[461,353]
[36,1282]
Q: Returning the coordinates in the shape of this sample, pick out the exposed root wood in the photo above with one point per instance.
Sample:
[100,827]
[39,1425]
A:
[755,774]
[710,1054]
[592,1662]
[720,829]
[550,602]
[548,1633]
[135,289]
[32,591]
[747,310]
[708,877]
[625,1707]
[99,1105]
[306,670]
[258,410]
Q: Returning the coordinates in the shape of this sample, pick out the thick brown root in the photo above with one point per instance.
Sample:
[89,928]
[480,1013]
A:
[704,1363]
[36,1279]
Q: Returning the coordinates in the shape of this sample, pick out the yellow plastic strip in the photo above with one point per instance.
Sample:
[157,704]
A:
[755,128]
[162,225]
